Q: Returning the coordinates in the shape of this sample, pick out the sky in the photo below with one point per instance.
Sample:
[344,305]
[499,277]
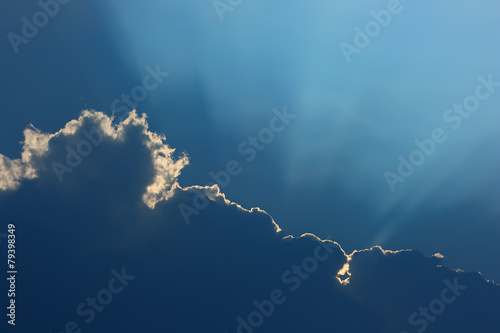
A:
[208,164]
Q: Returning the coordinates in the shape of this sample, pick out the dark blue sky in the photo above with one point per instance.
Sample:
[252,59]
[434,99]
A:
[391,137]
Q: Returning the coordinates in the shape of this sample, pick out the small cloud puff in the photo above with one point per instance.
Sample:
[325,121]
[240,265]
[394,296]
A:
[72,146]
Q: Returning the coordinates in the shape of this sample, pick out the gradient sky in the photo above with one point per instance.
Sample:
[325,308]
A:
[324,172]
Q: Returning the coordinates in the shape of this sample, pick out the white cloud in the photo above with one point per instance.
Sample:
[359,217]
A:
[36,145]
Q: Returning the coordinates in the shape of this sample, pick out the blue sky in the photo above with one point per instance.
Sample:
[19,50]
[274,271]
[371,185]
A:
[353,116]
